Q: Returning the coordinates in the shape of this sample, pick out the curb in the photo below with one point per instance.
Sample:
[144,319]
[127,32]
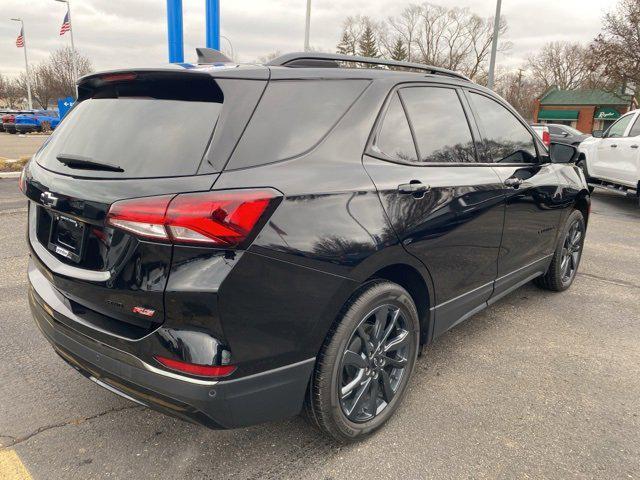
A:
[10,174]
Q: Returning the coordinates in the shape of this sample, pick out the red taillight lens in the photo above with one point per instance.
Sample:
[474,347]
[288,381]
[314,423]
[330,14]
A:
[119,77]
[195,369]
[218,218]
[546,139]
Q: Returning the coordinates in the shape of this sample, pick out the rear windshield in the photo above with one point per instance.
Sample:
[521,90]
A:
[143,136]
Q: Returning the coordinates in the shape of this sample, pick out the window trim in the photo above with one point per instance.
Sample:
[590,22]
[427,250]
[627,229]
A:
[542,157]
[473,130]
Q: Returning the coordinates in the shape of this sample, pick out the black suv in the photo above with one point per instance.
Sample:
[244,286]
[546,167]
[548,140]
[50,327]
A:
[236,244]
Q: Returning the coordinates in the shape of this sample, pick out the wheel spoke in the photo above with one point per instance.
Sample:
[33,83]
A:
[349,387]
[396,362]
[387,390]
[374,390]
[575,239]
[575,256]
[360,398]
[392,324]
[353,358]
[398,342]
[366,340]
[381,316]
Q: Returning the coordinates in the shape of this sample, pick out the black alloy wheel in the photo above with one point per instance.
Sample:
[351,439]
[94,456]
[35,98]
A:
[571,251]
[364,366]
[374,363]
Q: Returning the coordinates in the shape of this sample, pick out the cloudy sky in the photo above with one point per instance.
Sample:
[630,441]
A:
[116,33]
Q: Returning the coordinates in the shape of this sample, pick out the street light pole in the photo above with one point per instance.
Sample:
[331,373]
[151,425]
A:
[73,46]
[307,28]
[494,46]
[26,62]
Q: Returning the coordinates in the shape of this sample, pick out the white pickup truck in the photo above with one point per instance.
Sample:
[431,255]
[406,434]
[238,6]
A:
[611,159]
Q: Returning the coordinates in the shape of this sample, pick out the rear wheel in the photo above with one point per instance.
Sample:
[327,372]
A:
[365,364]
[566,258]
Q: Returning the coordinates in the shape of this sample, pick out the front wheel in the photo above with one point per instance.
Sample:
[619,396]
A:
[566,258]
[365,364]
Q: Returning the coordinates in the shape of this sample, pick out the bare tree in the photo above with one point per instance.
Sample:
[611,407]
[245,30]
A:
[268,57]
[617,49]
[60,66]
[519,89]
[14,96]
[453,38]
[561,64]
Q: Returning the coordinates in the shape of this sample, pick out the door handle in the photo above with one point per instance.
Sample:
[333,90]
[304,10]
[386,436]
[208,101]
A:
[414,187]
[513,182]
[634,146]
[613,145]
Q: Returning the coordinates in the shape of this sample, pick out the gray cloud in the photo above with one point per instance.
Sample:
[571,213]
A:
[117,33]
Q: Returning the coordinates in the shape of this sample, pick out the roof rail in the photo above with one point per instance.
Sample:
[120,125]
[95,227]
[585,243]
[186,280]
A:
[333,60]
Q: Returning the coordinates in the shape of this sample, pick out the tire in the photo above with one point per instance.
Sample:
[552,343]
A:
[582,165]
[348,372]
[567,256]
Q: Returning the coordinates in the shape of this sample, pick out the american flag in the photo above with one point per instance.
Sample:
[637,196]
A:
[20,39]
[66,25]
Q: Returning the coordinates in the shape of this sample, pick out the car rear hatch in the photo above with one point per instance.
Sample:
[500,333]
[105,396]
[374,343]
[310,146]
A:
[132,134]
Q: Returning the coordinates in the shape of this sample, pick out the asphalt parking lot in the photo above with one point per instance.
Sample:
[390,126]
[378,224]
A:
[14,146]
[540,385]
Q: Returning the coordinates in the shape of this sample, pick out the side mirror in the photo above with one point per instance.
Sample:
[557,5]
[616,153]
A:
[598,133]
[564,134]
[562,153]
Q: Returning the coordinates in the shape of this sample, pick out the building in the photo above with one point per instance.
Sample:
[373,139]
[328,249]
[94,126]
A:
[586,110]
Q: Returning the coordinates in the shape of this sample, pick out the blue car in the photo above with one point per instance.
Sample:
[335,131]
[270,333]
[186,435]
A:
[39,121]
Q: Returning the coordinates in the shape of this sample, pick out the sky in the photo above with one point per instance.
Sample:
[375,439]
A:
[124,33]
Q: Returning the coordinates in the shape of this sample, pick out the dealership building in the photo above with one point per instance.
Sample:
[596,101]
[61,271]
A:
[586,110]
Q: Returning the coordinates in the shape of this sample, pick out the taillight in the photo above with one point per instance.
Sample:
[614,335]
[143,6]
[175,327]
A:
[196,369]
[546,139]
[218,218]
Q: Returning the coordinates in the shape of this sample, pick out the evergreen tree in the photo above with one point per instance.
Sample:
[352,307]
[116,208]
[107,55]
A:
[367,46]
[399,52]
[346,45]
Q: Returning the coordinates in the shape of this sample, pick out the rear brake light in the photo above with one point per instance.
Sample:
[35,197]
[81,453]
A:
[195,369]
[546,139]
[217,218]
[118,77]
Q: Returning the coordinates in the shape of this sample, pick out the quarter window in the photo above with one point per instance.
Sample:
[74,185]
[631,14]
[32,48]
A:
[394,139]
[440,125]
[506,140]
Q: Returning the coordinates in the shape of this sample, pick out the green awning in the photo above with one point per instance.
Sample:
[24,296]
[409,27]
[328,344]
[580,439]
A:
[558,115]
[607,113]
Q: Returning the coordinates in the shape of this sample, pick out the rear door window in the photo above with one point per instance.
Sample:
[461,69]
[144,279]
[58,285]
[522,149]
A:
[293,117]
[148,131]
[440,125]
[506,140]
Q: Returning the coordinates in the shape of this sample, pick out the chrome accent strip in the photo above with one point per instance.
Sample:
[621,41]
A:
[116,391]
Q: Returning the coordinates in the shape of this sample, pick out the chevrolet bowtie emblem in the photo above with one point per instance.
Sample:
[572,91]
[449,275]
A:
[49,199]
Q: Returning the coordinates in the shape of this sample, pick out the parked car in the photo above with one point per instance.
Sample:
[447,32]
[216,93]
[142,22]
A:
[565,134]
[543,132]
[9,121]
[3,113]
[611,159]
[38,121]
[255,262]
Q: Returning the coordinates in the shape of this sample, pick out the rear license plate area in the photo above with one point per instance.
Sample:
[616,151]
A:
[67,237]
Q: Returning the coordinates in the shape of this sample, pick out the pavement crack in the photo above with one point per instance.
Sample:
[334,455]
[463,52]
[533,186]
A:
[620,283]
[74,421]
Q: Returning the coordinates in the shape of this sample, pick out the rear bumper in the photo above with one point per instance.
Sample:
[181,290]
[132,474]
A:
[266,396]
[9,127]
[26,128]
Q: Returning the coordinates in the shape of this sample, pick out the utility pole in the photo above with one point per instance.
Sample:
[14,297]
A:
[307,28]
[26,62]
[494,46]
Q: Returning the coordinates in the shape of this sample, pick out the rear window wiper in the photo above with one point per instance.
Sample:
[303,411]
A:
[85,163]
